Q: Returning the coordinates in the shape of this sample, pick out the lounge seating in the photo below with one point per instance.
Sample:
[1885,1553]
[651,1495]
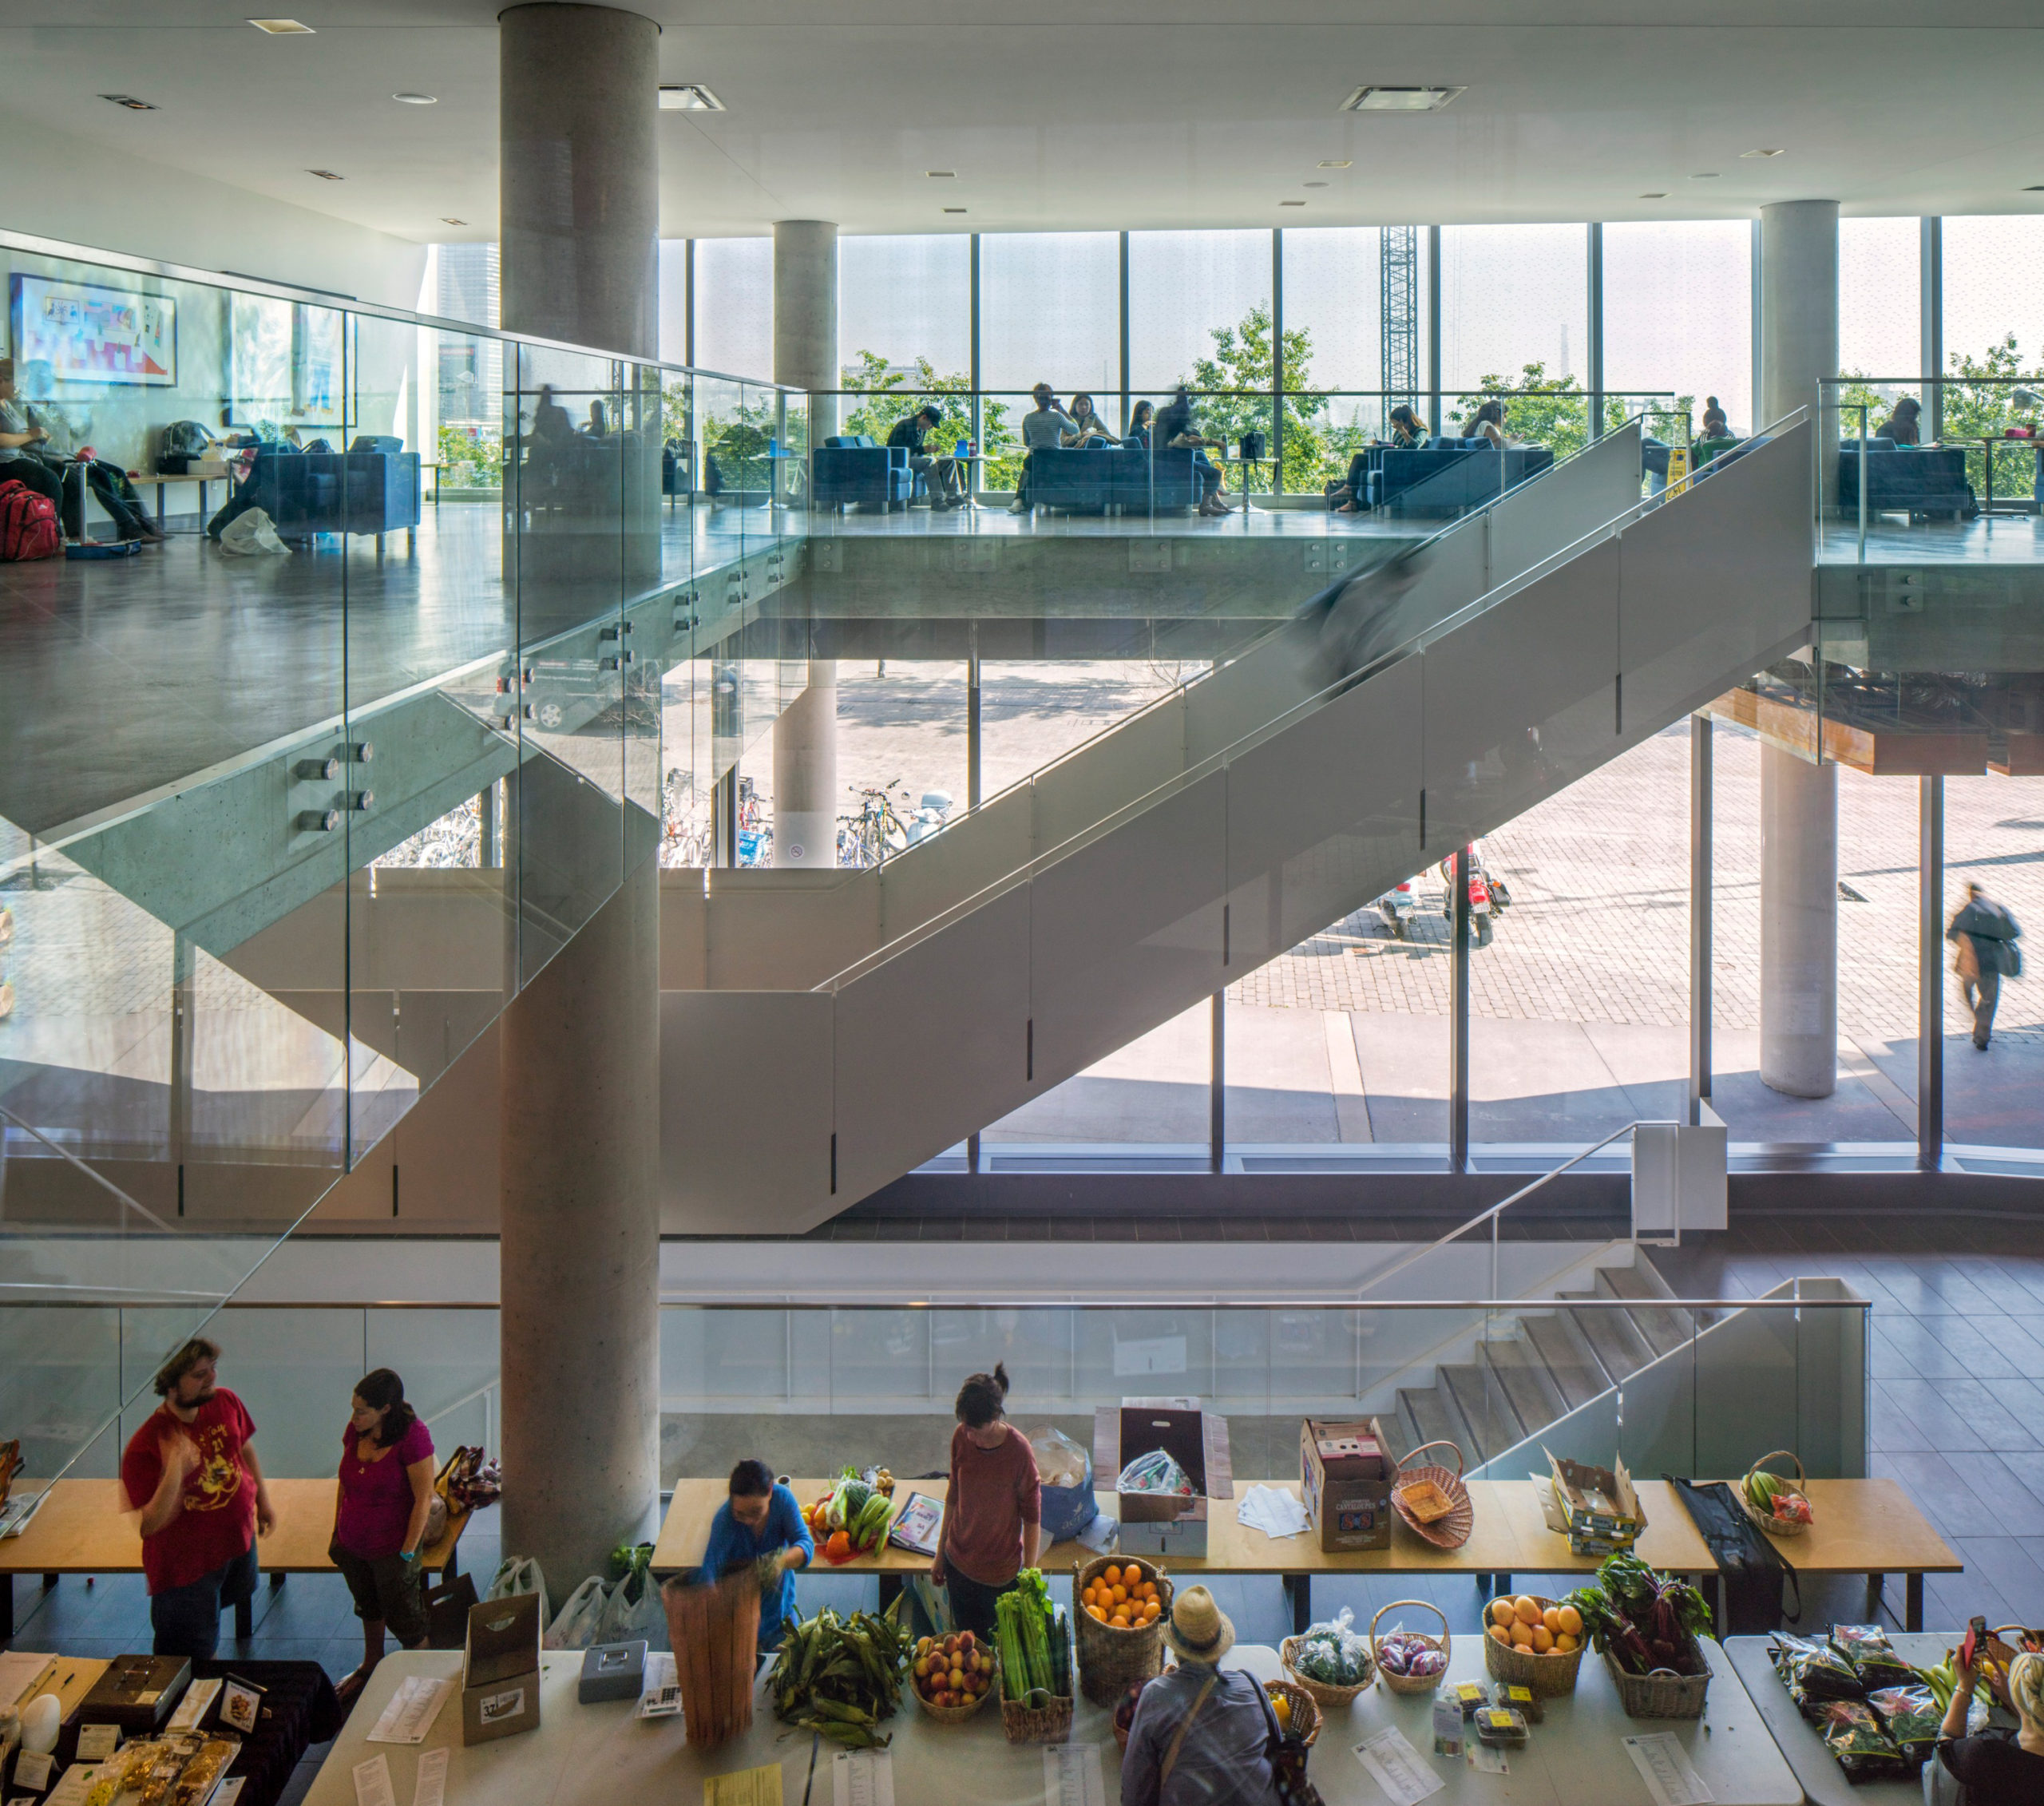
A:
[1097,479]
[850,468]
[1448,476]
[1928,480]
[307,492]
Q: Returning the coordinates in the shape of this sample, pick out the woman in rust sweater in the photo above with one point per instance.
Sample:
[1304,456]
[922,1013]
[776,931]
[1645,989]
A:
[992,1515]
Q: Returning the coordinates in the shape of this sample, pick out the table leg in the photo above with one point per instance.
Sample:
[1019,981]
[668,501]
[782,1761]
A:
[890,1590]
[7,1605]
[205,512]
[1913,1616]
[276,1582]
[159,508]
[244,1618]
[1298,1595]
[1876,1584]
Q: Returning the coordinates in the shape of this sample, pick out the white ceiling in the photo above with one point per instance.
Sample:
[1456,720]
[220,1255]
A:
[1098,114]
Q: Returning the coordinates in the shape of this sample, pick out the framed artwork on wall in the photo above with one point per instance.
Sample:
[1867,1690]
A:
[88,334]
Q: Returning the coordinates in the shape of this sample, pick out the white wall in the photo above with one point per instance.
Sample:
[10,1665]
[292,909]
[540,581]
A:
[67,188]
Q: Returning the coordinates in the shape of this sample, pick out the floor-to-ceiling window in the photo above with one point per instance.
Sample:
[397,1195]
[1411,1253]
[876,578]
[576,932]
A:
[1678,315]
[1514,315]
[1994,331]
[1050,311]
[1334,341]
[734,305]
[1199,312]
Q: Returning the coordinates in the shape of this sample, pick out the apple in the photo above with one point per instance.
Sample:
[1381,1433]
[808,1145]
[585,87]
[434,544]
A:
[965,1639]
[951,1646]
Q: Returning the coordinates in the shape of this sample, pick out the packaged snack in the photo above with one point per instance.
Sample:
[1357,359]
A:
[1821,1671]
[1863,1750]
[1521,1698]
[1871,1657]
[1912,1718]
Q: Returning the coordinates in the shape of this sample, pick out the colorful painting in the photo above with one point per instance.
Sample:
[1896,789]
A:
[92,334]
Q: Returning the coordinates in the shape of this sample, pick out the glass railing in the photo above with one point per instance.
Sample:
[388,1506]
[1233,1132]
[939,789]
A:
[1951,469]
[378,649]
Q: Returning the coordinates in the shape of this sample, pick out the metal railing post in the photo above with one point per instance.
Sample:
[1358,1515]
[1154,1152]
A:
[1458,1019]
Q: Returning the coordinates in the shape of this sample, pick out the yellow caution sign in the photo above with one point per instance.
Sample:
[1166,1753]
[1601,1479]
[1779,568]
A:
[1678,469]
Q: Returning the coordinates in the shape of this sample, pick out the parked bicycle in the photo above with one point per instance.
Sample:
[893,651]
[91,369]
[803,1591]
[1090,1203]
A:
[878,832]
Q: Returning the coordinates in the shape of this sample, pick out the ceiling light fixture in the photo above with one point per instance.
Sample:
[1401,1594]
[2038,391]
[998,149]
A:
[449,219]
[131,103]
[2034,188]
[942,174]
[1291,203]
[1337,162]
[688,97]
[1312,184]
[1399,99]
[1659,194]
[281,28]
[326,175]
[1749,155]
[418,100]
[1704,175]
[954,210]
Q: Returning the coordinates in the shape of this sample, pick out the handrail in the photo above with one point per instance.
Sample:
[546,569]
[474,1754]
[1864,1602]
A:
[1219,759]
[1498,1210]
[681,1301]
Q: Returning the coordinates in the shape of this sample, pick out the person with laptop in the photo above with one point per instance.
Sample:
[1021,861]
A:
[940,473]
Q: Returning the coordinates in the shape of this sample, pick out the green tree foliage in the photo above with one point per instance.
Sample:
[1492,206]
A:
[1243,359]
[469,459]
[892,395]
[1978,406]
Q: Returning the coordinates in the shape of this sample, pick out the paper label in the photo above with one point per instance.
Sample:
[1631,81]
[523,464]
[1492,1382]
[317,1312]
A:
[1397,1767]
[862,1777]
[32,1769]
[662,1698]
[413,1707]
[22,1675]
[748,1787]
[241,1705]
[430,1789]
[73,1788]
[1664,1765]
[190,1709]
[1486,1760]
[97,1742]
[1071,1774]
[372,1783]
[499,1708]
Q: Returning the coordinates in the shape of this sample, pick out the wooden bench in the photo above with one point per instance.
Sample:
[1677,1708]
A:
[86,1526]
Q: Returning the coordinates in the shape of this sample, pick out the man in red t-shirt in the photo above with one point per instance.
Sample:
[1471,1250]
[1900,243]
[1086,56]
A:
[192,1476]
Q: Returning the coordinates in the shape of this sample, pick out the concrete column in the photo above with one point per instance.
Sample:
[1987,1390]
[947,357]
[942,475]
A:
[579,175]
[806,318]
[1799,801]
[1798,924]
[806,773]
[579,1258]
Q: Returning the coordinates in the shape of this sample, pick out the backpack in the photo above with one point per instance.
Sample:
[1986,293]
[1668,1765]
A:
[27,523]
[185,438]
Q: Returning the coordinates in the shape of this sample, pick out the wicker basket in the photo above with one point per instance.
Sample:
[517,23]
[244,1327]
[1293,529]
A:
[1036,1724]
[1661,1694]
[1547,1674]
[1411,1683]
[957,1714]
[1306,1709]
[1110,1659]
[715,1631]
[1452,1531]
[1767,1521]
[1321,1692]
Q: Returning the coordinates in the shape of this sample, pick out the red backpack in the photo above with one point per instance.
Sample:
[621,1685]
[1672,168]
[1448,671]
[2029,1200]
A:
[27,523]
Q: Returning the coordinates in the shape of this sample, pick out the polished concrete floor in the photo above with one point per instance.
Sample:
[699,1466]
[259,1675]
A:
[1896,538]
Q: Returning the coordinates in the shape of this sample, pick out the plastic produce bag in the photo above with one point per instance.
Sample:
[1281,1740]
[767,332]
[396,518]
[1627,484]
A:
[1333,1653]
[1059,1460]
[1065,1470]
[632,1608]
[516,1574]
[252,535]
[1155,1472]
[576,1628]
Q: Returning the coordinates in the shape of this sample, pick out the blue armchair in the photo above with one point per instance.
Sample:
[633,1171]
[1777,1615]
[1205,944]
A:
[1905,478]
[308,492]
[854,467]
[1099,479]
[1447,477]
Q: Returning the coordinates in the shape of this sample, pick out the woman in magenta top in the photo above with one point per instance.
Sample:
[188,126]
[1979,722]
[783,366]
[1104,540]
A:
[379,1521]
[993,1514]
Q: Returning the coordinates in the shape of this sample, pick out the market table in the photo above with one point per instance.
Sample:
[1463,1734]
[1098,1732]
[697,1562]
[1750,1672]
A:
[605,1753]
[1869,1527]
[1510,1537]
[1824,1781]
[87,1526]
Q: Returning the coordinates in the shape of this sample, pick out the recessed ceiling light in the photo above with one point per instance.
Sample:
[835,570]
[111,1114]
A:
[1312,184]
[954,210]
[130,102]
[1659,194]
[1704,175]
[2034,188]
[283,28]
[326,175]
[1337,162]
[449,219]
[688,97]
[418,100]
[1291,203]
[1753,153]
[942,174]
[1398,100]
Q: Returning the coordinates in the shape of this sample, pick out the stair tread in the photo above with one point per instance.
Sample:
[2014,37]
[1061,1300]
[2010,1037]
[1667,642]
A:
[1663,1330]
[1524,1377]
[1432,1417]
[1573,1374]
[1614,1339]
[1494,1426]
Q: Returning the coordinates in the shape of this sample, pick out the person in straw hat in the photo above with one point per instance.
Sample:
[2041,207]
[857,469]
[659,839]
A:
[1201,1736]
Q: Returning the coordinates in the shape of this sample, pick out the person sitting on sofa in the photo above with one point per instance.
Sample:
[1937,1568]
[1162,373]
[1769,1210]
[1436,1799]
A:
[1139,419]
[1045,428]
[1487,422]
[1092,430]
[1175,427]
[58,448]
[941,473]
[19,463]
[1407,429]
[1902,426]
[1715,425]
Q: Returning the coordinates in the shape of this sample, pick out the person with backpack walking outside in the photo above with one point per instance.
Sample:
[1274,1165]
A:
[1985,934]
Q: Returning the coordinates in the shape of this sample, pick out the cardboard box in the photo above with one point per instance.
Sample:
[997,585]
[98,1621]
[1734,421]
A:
[1596,1508]
[1344,1480]
[1154,1523]
[500,1669]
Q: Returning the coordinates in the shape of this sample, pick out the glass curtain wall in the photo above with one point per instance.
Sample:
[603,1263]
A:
[734,305]
[1199,312]
[1993,330]
[1996,1098]
[1333,330]
[1514,315]
[1677,307]
[1050,311]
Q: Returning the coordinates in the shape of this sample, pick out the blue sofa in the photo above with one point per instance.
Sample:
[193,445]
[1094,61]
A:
[1929,480]
[1097,478]
[855,468]
[1448,476]
[307,492]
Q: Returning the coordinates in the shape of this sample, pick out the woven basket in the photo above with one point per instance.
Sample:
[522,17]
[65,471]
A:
[1661,1694]
[1036,1724]
[957,1714]
[1411,1683]
[1321,1692]
[1306,1709]
[1108,1658]
[1767,1521]
[1452,1531]
[1546,1674]
[715,1631]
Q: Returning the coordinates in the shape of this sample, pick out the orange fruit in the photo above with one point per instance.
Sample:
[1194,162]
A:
[1151,1609]
[1111,1574]
[1097,1612]
[1551,1618]
[1566,1644]
[1502,1635]
[1119,1621]
[1571,1622]
[1502,1614]
[1527,1609]
[1121,1595]
[1543,1639]
[1521,1634]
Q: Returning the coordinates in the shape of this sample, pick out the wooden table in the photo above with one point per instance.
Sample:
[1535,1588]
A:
[86,1526]
[1509,1537]
[1870,1527]
[160,478]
